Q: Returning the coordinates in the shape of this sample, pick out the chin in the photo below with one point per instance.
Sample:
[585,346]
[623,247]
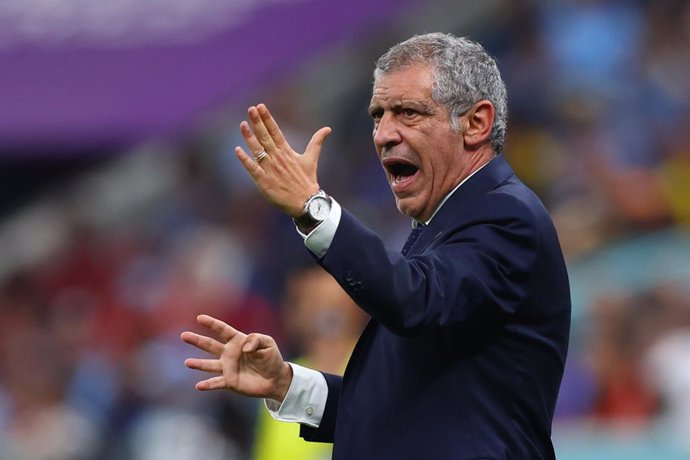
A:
[407,209]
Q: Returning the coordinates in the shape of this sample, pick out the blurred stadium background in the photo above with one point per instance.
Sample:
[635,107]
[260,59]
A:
[123,212]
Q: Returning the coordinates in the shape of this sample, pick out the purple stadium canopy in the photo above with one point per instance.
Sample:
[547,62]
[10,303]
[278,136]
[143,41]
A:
[81,73]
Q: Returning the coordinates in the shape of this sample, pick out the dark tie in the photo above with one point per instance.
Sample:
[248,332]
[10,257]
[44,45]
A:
[412,238]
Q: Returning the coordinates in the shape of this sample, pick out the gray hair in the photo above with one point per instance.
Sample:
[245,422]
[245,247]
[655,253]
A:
[463,73]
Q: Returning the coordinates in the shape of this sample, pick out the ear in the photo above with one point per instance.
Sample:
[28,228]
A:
[477,124]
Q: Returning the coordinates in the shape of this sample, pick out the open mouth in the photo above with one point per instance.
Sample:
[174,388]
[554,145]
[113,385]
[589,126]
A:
[400,170]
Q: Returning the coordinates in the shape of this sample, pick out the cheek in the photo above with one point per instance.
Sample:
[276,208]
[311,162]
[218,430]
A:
[443,161]
[436,171]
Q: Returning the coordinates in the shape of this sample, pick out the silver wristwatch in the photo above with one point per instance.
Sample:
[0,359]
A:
[316,210]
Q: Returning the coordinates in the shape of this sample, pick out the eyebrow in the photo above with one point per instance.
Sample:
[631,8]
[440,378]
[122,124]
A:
[413,103]
[416,104]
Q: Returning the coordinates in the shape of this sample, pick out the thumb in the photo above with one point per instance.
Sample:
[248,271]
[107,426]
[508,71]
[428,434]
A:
[255,342]
[316,143]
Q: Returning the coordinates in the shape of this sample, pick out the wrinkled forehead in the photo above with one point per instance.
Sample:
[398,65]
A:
[413,81]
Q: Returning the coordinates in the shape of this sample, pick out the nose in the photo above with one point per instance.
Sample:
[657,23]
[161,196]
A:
[386,131]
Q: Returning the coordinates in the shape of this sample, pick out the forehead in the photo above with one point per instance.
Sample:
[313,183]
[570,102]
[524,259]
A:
[413,83]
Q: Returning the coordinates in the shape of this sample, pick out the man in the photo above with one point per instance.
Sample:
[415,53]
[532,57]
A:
[464,353]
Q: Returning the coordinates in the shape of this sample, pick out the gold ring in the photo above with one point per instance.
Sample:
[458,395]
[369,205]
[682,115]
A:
[260,156]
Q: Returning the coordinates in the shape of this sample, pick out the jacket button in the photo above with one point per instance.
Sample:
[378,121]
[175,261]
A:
[309,411]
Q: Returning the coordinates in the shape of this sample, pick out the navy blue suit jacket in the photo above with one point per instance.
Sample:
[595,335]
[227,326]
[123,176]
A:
[464,353]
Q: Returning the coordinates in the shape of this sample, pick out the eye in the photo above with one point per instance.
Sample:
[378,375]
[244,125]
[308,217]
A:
[376,114]
[408,113]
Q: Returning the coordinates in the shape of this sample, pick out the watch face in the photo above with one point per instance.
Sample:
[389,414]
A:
[319,208]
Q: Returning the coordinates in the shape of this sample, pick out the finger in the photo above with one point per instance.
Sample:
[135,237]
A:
[253,143]
[271,125]
[222,329]
[214,383]
[260,131]
[255,342]
[315,145]
[206,365]
[253,168]
[202,342]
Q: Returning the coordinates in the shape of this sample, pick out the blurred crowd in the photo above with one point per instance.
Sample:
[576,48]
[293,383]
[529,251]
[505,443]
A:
[91,365]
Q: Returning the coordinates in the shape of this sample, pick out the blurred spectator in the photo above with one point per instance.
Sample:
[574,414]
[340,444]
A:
[615,352]
[323,325]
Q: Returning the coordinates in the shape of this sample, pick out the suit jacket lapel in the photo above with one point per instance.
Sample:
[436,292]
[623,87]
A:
[485,180]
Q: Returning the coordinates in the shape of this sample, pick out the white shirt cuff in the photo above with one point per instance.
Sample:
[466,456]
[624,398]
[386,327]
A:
[305,400]
[319,240]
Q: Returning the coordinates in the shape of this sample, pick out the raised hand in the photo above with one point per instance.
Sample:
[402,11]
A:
[285,177]
[247,364]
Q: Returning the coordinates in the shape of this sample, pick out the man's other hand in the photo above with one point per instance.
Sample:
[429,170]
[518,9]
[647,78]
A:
[247,364]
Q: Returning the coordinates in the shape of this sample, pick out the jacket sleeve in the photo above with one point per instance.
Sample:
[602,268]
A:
[326,429]
[478,268]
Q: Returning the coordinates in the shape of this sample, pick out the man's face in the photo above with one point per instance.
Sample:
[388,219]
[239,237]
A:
[421,154]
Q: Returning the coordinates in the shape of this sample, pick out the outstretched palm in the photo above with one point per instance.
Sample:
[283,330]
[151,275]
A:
[285,177]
